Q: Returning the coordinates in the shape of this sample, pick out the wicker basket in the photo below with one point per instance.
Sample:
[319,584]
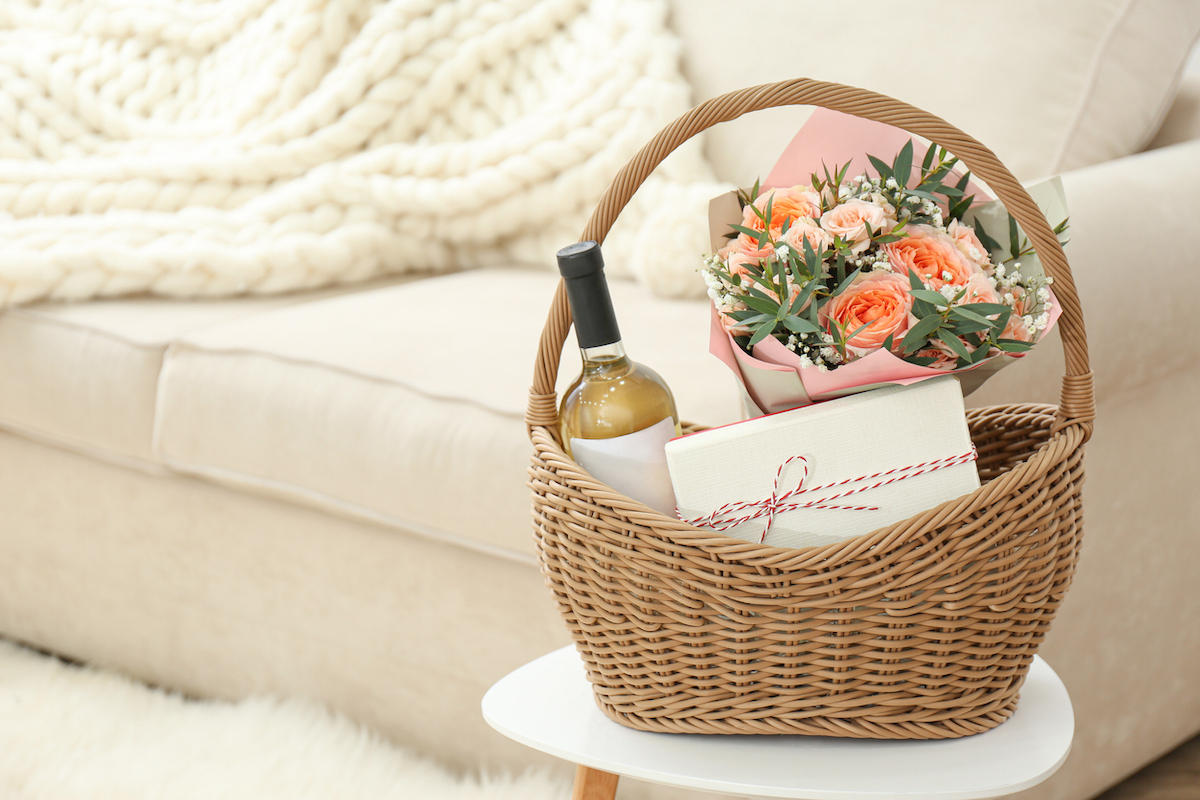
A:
[924,629]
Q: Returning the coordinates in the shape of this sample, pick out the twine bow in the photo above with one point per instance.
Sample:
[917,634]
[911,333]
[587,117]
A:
[727,516]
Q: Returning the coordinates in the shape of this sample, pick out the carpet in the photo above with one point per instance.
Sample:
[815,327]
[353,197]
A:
[70,732]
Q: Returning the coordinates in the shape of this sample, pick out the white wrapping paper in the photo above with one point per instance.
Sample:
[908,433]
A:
[829,471]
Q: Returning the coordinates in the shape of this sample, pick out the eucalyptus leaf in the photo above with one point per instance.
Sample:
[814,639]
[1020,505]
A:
[923,194]
[922,310]
[753,292]
[762,333]
[810,257]
[957,210]
[919,334]
[930,296]
[902,166]
[841,174]
[804,295]
[940,172]
[767,307]
[966,326]
[954,343]
[981,352]
[993,246]
[751,318]
[846,282]
[988,309]
[882,168]
[966,313]
[927,162]
[857,331]
[799,325]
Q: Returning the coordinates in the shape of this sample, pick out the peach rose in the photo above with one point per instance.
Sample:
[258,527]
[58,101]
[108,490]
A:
[879,300]
[805,229]
[786,204]
[849,220]
[943,357]
[744,250]
[1016,328]
[979,290]
[729,323]
[968,243]
[737,260]
[932,255]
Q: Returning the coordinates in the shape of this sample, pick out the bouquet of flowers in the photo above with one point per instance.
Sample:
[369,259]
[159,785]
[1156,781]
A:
[880,278]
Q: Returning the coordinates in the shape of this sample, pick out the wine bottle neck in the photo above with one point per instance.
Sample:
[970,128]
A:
[592,309]
[603,355]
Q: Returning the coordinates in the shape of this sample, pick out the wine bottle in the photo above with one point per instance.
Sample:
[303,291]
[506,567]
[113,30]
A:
[618,415]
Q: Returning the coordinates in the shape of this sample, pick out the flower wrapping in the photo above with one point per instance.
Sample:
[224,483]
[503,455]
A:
[826,472]
[871,312]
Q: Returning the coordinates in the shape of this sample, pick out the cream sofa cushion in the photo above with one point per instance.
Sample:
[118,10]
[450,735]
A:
[405,404]
[85,376]
[1049,87]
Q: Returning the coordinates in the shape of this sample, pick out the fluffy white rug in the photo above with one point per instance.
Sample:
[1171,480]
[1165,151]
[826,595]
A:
[69,733]
[217,147]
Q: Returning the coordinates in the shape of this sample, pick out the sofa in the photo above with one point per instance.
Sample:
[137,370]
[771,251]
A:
[321,494]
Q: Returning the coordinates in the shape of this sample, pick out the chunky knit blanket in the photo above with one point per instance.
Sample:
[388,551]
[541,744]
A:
[219,147]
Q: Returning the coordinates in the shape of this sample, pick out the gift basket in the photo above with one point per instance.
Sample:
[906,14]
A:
[922,629]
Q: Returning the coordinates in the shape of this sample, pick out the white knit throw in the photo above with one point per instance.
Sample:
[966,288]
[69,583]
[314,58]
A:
[218,147]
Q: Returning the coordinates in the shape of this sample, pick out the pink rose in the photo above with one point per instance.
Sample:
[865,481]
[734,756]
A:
[968,243]
[879,300]
[850,219]
[932,255]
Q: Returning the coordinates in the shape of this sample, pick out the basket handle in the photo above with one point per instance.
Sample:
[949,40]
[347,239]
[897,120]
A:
[1077,402]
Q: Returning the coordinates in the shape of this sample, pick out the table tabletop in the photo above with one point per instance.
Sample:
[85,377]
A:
[548,705]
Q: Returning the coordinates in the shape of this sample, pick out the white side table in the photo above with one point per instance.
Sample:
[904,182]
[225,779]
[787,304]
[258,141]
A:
[548,705]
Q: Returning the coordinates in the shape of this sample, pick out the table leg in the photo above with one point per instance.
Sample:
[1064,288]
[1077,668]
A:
[593,784]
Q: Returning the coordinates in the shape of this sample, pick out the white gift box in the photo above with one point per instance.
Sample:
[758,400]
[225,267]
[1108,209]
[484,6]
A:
[830,471]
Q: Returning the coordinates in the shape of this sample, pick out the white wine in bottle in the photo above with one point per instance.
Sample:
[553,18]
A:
[618,415]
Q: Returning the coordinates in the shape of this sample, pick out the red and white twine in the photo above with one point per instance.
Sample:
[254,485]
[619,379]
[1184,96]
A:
[725,517]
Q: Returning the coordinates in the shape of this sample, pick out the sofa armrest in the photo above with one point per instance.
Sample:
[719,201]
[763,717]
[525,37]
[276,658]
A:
[1134,255]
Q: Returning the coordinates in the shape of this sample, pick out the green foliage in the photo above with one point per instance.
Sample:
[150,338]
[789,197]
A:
[784,292]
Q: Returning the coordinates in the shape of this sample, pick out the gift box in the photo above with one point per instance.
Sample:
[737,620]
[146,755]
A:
[830,471]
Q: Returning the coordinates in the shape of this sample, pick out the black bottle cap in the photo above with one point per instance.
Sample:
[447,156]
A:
[582,267]
[580,260]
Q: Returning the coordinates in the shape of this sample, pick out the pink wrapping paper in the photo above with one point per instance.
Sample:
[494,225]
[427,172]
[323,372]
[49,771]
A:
[772,376]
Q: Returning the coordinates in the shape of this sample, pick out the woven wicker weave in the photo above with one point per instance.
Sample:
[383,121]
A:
[924,629]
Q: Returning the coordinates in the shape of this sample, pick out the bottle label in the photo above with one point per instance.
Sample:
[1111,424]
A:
[635,464]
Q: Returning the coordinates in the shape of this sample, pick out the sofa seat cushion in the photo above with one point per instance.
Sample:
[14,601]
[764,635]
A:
[86,376]
[404,404]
